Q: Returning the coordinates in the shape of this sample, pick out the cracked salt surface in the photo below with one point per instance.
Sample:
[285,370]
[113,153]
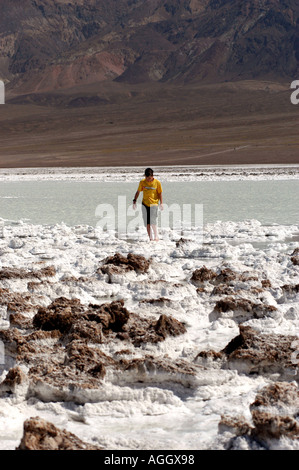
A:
[154,404]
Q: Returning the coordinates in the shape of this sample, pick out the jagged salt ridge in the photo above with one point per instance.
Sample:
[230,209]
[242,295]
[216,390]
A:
[173,173]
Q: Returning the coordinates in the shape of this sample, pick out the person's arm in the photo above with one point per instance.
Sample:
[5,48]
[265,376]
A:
[161,200]
[160,196]
[135,199]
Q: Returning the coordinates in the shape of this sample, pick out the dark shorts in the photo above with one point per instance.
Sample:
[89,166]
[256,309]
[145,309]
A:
[149,214]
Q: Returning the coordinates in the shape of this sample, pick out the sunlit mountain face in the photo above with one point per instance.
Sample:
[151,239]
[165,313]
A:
[48,44]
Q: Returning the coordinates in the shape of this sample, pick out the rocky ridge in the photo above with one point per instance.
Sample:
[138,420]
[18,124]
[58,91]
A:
[41,435]
[47,46]
[271,416]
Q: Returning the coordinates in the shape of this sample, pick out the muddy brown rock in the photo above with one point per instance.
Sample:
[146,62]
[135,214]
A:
[168,326]
[274,415]
[252,352]
[243,307]
[275,410]
[295,257]
[15,378]
[16,303]
[291,289]
[87,359]
[202,275]
[39,434]
[51,320]
[226,276]
[222,278]
[13,340]
[61,347]
[141,331]
[234,424]
[59,315]
[89,331]
[269,425]
[119,264]
[65,315]
[21,273]
[19,320]
[112,316]
[284,394]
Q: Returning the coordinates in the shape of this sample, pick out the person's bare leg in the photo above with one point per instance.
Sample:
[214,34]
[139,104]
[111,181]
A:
[155,230]
[149,232]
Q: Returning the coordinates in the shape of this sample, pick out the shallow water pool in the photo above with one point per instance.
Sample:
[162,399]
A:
[75,203]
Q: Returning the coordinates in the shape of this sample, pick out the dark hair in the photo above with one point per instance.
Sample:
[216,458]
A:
[148,172]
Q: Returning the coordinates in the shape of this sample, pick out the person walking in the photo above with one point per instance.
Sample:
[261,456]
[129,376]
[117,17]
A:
[152,195]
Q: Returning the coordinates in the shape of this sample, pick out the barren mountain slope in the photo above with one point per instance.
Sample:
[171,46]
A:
[48,44]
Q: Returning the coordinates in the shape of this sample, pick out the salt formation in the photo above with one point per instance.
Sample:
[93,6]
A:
[108,334]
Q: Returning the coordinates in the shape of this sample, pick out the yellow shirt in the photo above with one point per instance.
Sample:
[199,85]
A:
[151,191]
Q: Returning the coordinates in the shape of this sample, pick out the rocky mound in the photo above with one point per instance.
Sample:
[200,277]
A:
[255,353]
[58,353]
[295,257]
[119,265]
[21,273]
[274,415]
[41,435]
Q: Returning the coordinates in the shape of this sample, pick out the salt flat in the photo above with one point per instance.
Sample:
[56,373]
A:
[161,370]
